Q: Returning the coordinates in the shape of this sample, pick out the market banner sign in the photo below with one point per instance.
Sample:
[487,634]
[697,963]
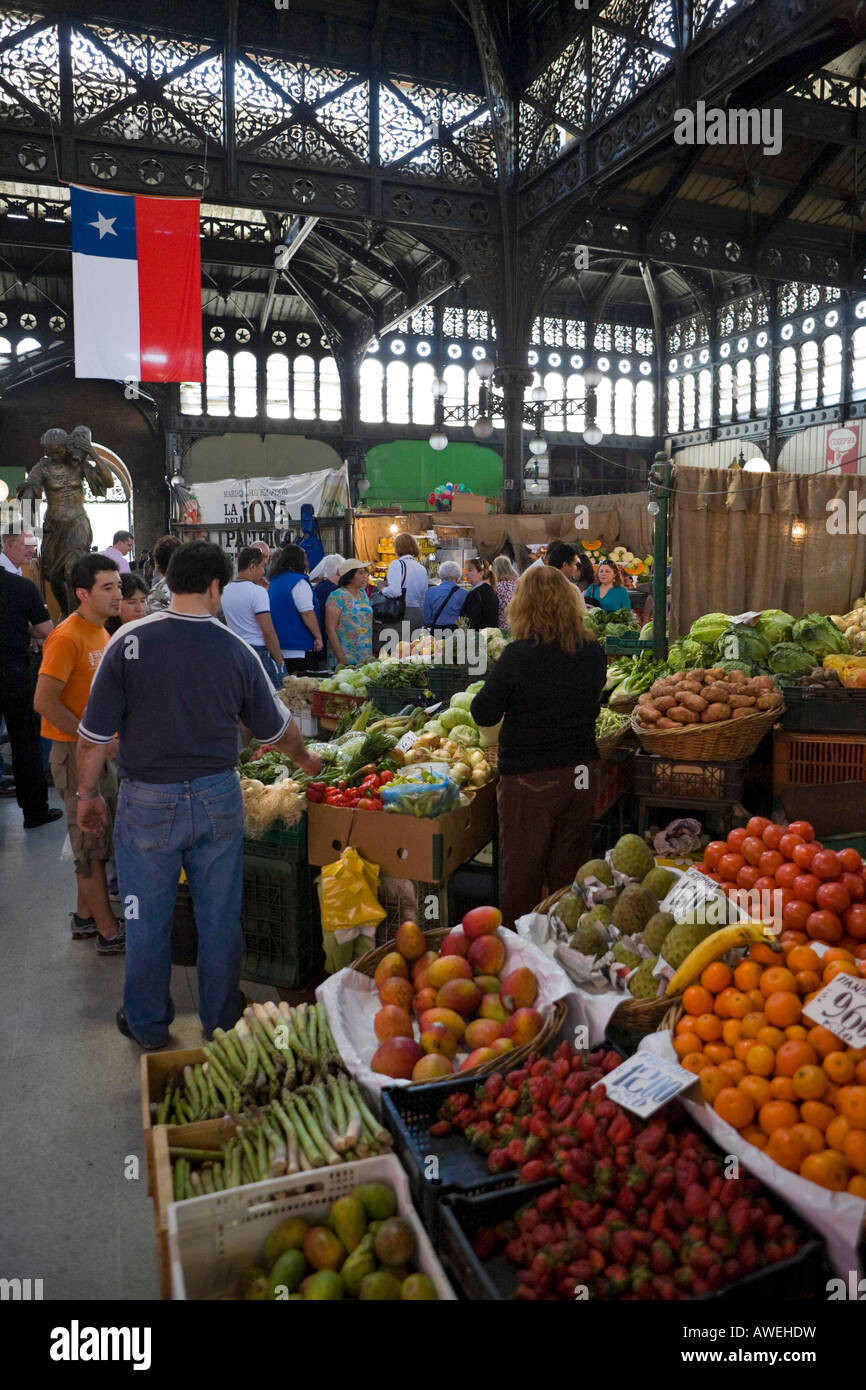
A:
[843,446]
[234,502]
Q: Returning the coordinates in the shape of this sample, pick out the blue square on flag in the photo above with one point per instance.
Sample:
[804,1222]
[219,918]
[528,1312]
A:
[103,224]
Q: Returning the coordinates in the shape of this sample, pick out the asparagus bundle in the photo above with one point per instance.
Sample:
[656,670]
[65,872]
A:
[311,1127]
[270,1049]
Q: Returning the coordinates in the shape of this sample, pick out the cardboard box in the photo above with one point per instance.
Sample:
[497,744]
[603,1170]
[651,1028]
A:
[404,846]
[467,504]
[155,1067]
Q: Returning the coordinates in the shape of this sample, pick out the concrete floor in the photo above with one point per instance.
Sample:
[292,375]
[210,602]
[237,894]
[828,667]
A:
[70,1112]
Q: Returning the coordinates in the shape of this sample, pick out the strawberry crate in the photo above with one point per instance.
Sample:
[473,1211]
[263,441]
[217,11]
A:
[330,704]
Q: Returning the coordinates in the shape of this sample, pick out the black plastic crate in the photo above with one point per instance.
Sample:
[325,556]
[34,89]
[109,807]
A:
[391,700]
[446,681]
[824,710]
[282,936]
[288,843]
[688,781]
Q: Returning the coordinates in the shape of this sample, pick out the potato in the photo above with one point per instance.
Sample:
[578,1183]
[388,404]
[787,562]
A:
[692,716]
[693,702]
[714,674]
[692,686]
[719,691]
[679,714]
[648,714]
[741,711]
[715,712]
[763,683]
[741,701]
[665,702]
[645,699]
[656,688]
[736,677]
[665,723]
[768,700]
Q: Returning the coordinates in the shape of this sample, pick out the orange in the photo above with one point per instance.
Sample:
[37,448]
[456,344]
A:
[852,1103]
[792,1055]
[759,951]
[831,1095]
[751,1024]
[742,1047]
[747,975]
[810,1082]
[802,958]
[755,1135]
[717,1052]
[782,1088]
[712,1081]
[827,1168]
[860,1074]
[839,1068]
[716,977]
[795,1032]
[819,1114]
[734,1106]
[835,953]
[837,1132]
[776,978]
[756,1000]
[773,1037]
[685,1025]
[758,1087]
[823,1040]
[760,1059]
[697,1000]
[857,1186]
[811,1136]
[787,1148]
[685,1043]
[807,981]
[731,1031]
[695,1062]
[708,1027]
[739,1004]
[733,1070]
[839,967]
[777,1114]
[854,1149]
[783,1008]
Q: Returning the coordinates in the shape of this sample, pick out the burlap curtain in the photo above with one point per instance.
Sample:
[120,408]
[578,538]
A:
[746,541]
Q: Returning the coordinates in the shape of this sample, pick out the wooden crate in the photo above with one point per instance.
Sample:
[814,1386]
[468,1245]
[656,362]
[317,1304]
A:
[204,1134]
[155,1067]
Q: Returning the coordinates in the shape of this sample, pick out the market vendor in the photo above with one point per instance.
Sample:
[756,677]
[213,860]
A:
[481,607]
[293,608]
[349,616]
[609,591]
[546,687]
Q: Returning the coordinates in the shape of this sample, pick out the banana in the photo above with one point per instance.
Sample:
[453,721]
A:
[717,945]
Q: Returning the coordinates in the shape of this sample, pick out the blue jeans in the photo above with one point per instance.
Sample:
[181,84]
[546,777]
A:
[274,671]
[159,828]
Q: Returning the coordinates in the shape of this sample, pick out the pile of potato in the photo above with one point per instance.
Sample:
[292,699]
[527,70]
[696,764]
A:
[705,697]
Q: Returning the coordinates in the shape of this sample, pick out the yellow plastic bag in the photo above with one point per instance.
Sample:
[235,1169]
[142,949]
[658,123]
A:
[350,893]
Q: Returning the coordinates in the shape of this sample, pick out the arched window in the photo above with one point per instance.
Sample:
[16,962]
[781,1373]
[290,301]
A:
[858,365]
[5,347]
[673,405]
[644,407]
[245,366]
[304,387]
[423,374]
[705,399]
[555,388]
[277,386]
[604,405]
[809,375]
[726,392]
[217,378]
[454,377]
[372,381]
[330,397]
[27,345]
[787,379]
[762,383]
[190,398]
[688,401]
[744,389]
[575,390]
[831,386]
[527,398]
[397,393]
[623,403]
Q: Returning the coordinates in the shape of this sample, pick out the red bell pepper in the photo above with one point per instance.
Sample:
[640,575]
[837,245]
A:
[316,791]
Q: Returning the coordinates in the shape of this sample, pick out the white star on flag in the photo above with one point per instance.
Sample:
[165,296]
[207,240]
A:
[104,225]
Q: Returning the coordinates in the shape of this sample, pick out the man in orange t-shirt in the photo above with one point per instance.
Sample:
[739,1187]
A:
[70,659]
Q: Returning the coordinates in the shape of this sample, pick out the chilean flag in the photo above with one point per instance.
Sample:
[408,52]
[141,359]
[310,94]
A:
[136,282]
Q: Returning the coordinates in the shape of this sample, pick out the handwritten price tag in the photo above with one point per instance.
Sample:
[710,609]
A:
[406,742]
[841,1007]
[644,1083]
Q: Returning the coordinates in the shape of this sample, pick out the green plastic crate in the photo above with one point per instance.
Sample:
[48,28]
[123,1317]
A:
[288,843]
[282,935]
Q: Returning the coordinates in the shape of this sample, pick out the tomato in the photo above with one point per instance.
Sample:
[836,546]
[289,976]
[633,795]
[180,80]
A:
[804,854]
[385,778]
[824,926]
[795,915]
[772,836]
[770,861]
[801,828]
[855,885]
[806,887]
[855,921]
[730,865]
[788,843]
[834,896]
[766,884]
[369,803]
[850,861]
[752,848]
[785,895]
[748,876]
[757,825]
[786,873]
[826,864]
[714,851]
[715,877]
[736,838]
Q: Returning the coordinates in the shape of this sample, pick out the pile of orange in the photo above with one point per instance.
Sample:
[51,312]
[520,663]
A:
[789,1086]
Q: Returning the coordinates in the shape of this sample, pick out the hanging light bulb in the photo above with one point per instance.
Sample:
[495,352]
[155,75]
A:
[438,440]
[653,508]
[485,368]
[539,394]
[593,435]
[537,445]
[592,376]
[757,465]
[438,387]
[483,427]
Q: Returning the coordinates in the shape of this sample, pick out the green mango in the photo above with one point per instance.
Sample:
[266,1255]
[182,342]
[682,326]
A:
[289,1235]
[348,1216]
[259,1291]
[326,1285]
[288,1271]
[359,1264]
[249,1277]
[374,1228]
[380,1287]
[418,1287]
[378,1199]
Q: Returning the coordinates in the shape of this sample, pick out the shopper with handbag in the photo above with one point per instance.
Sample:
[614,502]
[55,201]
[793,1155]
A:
[444,601]
[405,584]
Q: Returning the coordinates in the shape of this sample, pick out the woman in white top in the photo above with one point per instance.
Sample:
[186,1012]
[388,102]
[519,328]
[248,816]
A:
[406,573]
[247,612]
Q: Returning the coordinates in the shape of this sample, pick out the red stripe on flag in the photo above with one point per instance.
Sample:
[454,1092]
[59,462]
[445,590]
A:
[169,288]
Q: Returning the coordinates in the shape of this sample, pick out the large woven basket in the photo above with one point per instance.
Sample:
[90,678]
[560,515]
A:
[639,1016]
[553,1021]
[723,742]
[608,745]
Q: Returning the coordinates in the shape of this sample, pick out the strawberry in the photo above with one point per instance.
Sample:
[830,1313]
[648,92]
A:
[596,1260]
[586,1125]
[687,1174]
[696,1201]
[600,1146]
[598,1237]
[652,1138]
[622,1247]
[484,1243]
[664,1287]
[661,1257]
[658,1218]
[641,1282]
[533,1171]
[733,1270]
[739,1216]
[663,1181]
[618,1278]
[626,1201]
[620,1131]
[642,1219]
[749,1254]
[610,1061]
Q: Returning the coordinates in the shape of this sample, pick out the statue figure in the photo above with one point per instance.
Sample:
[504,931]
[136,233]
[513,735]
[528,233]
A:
[67,460]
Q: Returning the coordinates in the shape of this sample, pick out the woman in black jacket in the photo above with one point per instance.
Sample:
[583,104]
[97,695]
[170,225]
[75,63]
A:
[546,687]
[481,608]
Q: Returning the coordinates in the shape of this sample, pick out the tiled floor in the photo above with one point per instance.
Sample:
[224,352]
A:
[70,1114]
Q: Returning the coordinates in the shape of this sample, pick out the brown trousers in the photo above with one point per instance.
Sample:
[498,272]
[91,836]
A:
[545,834]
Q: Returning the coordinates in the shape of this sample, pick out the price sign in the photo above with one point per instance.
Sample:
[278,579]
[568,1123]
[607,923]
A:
[644,1083]
[406,742]
[694,892]
[841,1007]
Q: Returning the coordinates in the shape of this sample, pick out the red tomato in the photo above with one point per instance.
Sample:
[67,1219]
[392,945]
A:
[850,861]
[786,895]
[788,843]
[824,926]
[748,876]
[766,884]
[834,896]
[802,828]
[736,838]
[770,861]
[752,848]
[714,851]
[715,877]
[772,836]
[757,825]
[785,874]
[826,864]
[795,915]
[855,885]
[804,854]
[855,921]
[806,887]
[730,865]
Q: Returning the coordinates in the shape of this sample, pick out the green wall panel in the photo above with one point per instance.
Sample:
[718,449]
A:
[406,472]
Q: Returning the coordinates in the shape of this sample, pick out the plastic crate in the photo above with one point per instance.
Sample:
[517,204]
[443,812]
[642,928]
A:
[446,681]
[817,760]
[282,937]
[212,1239]
[688,781]
[333,703]
[391,701]
[614,780]
[288,843]
[821,710]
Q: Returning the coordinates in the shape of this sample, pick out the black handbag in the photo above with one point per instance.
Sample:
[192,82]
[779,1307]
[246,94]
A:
[390,610]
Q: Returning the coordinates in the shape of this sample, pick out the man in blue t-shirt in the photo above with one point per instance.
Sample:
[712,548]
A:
[172,688]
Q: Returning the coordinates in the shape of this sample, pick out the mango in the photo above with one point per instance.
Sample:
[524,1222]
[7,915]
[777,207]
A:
[459,995]
[477,1058]
[502,1045]
[396,1058]
[452,1020]
[491,1006]
[488,984]
[483,1032]
[524,1025]
[391,1022]
[410,941]
[422,963]
[395,1241]
[250,1276]
[288,1271]
[378,1200]
[259,1291]
[360,1263]
[348,1217]
[397,991]
[456,943]
[418,1287]
[289,1235]
[326,1285]
[439,1038]
[380,1287]
[433,1067]
[487,955]
[425,999]
[448,968]
[323,1249]
[392,964]
[519,988]
[482,921]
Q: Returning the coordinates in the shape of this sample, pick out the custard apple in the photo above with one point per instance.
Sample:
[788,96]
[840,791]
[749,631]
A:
[632,856]
[569,910]
[643,984]
[656,929]
[659,881]
[681,941]
[589,940]
[633,909]
[624,953]
[594,868]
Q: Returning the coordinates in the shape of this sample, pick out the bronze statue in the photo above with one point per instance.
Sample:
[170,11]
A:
[67,460]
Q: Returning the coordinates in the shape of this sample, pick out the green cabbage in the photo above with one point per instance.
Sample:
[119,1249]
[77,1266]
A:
[747,667]
[646,632]
[473,689]
[685,654]
[465,734]
[461,701]
[819,636]
[710,627]
[739,642]
[775,625]
[787,659]
[452,717]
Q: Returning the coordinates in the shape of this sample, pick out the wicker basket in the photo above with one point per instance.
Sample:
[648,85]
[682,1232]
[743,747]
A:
[722,742]
[608,745]
[623,706]
[491,753]
[517,1056]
